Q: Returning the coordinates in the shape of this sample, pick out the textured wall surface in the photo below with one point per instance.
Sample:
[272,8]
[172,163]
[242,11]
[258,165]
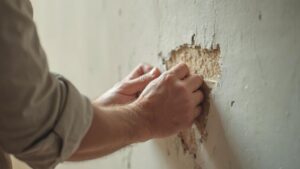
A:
[254,116]
[205,62]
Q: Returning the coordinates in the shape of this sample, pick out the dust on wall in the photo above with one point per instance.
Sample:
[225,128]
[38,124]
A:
[205,62]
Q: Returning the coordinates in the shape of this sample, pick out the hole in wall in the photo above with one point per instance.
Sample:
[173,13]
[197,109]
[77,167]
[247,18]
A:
[232,103]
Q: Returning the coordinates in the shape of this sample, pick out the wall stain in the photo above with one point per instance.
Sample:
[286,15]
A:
[129,157]
[260,16]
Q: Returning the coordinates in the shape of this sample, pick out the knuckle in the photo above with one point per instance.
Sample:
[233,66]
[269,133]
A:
[183,66]
[181,88]
[200,95]
[198,78]
[168,77]
[140,66]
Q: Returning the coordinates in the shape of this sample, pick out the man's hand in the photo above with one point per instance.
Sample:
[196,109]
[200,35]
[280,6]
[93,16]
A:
[130,87]
[167,104]
[171,102]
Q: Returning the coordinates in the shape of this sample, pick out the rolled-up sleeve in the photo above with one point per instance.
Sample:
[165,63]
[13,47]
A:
[43,118]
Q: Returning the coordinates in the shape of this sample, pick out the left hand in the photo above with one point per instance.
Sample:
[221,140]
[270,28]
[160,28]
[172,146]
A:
[130,87]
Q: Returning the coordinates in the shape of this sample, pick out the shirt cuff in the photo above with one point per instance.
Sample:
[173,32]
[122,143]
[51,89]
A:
[73,122]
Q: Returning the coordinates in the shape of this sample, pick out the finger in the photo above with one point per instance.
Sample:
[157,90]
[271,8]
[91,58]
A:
[138,84]
[197,111]
[198,97]
[193,82]
[147,68]
[181,70]
[140,70]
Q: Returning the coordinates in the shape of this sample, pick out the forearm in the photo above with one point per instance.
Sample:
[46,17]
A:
[112,128]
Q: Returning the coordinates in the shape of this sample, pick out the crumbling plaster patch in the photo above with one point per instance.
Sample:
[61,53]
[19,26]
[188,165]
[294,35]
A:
[205,62]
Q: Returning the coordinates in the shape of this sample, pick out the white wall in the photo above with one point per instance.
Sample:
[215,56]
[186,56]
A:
[96,42]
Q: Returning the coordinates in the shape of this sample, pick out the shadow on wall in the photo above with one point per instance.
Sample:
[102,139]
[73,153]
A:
[215,153]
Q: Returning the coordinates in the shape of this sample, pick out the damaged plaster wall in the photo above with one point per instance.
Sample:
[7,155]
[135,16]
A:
[254,108]
[205,62]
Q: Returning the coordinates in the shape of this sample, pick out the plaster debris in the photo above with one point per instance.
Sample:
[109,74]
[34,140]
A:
[188,141]
[204,62]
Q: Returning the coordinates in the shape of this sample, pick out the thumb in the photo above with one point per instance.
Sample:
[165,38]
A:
[138,84]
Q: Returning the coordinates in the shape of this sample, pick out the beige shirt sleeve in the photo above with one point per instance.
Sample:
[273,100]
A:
[42,116]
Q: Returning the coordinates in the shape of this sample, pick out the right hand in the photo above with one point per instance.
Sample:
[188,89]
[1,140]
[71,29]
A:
[171,102]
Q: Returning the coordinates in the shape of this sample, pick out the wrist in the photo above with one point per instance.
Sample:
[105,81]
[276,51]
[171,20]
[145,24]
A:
[131,121]
[141,124]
